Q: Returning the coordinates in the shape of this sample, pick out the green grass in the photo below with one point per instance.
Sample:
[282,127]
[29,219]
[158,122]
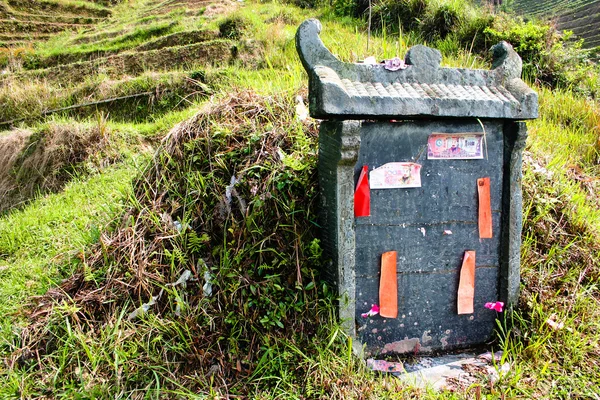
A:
[40,244]
[50,56]
[568,129]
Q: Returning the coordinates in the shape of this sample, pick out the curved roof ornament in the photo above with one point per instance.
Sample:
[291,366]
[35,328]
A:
[423,88]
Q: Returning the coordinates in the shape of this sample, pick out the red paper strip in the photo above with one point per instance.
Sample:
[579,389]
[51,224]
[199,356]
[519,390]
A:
[388,286]
[485,208]
[466,287]
[362,195]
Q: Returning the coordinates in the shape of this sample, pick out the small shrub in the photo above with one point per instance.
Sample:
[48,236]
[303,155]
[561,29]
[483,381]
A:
[304,3]
[233,27]
[472,33]
[441,22]
[354,8]
[32,61]
[534,43]
[315,3]
[404,14]
[528,39]
[15,58]
[4,57]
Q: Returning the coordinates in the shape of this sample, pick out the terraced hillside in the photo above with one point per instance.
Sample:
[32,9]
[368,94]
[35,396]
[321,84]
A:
[140,58]
[25,22]
[580,16]
[584,21]
[107,61]
[547,7]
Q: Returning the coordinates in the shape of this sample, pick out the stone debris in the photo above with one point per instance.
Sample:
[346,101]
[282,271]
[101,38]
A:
[385,366]
[452,372]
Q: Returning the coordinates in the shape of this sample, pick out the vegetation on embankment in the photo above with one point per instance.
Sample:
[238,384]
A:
[229,196]
[550,57]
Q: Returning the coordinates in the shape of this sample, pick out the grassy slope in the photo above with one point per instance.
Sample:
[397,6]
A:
[43,242]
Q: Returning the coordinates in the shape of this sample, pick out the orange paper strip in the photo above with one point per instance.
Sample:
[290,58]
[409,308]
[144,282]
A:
[388,286]
[466,287]
[485,208]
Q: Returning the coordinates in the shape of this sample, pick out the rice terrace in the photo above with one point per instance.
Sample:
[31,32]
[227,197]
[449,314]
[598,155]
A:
[166,221]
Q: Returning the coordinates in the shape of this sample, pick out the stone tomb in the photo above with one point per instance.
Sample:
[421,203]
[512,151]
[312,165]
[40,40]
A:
[426,138]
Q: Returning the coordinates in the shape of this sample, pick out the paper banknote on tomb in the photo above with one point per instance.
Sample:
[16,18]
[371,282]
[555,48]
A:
[458,146]
[396,175]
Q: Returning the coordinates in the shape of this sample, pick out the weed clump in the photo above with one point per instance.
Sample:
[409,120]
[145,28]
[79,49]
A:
[405,13]
[218,246]
[233,27]
[442,22]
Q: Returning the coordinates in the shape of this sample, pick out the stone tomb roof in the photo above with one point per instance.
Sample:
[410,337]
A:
[423,88]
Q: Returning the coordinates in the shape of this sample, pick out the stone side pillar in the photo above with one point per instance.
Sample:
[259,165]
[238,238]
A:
[515,136]
[339,142]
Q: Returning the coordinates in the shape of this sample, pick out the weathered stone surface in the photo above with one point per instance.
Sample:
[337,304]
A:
[338,149]
[412,222]
[361,91]
[426,313]
[515,136]
[430,227]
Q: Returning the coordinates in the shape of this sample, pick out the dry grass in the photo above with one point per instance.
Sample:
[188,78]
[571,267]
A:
[11,146]
[253,238]
[43,161]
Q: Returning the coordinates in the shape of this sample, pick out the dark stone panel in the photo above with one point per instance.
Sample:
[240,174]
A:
[430,252]
[412,222]
[449,187]
[427,318]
